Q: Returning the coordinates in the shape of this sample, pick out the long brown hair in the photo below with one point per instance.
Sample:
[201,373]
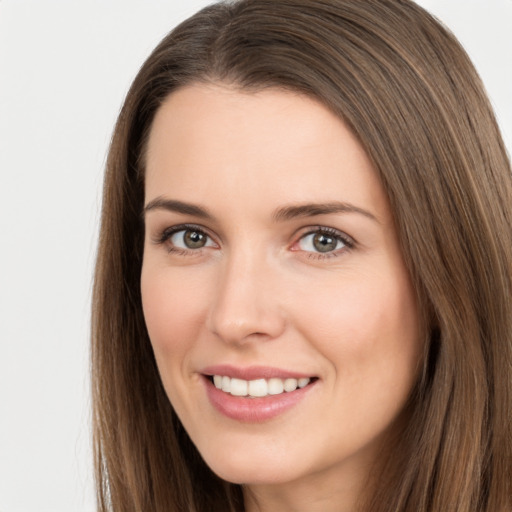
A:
[408,91]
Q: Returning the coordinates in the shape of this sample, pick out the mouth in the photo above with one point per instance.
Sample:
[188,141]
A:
[256,394]
[259,388]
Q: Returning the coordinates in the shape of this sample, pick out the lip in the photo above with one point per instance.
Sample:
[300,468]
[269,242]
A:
[252,372]
[253,410]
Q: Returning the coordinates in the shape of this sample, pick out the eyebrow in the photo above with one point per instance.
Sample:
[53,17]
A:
[315,209]
[279,215]
[160,203]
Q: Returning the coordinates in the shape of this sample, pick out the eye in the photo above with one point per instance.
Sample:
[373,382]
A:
[323,241]
[190,239]
[184,239]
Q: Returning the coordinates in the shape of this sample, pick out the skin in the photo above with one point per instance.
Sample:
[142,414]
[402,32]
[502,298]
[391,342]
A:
[260,293]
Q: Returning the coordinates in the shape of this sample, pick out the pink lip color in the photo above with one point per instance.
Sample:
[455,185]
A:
[251,372]
[253,410]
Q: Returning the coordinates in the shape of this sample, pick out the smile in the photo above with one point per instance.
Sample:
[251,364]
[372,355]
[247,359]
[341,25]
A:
[258,388]
[255,394]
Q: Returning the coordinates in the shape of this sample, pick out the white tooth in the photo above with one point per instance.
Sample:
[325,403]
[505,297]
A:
[258,387]
[302,383]
[238,387]
[226,384]
[275,386]
[290,385]
[217,380]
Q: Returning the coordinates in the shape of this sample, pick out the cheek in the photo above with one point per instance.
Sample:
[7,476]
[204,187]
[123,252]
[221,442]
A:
[173,311]
[369,333]
[370,337]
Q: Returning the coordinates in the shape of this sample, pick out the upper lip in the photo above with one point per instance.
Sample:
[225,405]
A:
[252,372]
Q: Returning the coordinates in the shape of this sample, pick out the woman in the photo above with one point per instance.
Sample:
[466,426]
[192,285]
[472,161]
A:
[303,287]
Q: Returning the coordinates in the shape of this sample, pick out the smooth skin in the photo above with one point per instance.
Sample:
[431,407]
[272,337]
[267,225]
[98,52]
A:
[253,280]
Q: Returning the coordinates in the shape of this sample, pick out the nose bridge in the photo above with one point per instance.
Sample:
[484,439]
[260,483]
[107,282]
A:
[245,303]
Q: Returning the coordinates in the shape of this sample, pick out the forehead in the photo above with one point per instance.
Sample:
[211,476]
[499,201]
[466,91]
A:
[212,142]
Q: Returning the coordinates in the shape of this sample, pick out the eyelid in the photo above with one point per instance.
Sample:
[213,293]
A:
[349,242]
[164,235]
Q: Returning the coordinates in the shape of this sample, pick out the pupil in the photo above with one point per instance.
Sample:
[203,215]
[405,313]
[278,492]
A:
[324,243]
[194,239]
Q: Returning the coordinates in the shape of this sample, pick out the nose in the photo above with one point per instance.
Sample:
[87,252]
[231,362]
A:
[246,304]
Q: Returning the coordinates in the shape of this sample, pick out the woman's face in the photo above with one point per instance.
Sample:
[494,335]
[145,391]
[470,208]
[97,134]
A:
[272,267]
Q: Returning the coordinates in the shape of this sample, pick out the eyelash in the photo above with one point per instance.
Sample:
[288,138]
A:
[167,233]
[347,241]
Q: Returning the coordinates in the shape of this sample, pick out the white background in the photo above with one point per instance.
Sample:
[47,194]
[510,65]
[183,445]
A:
[65,67]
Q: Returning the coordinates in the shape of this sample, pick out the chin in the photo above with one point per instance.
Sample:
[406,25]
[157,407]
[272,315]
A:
[243,467]
[253,476]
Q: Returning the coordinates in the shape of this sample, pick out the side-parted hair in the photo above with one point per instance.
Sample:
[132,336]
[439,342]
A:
[408,91]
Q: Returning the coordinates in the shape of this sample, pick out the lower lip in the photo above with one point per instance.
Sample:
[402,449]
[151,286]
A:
[254,410]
